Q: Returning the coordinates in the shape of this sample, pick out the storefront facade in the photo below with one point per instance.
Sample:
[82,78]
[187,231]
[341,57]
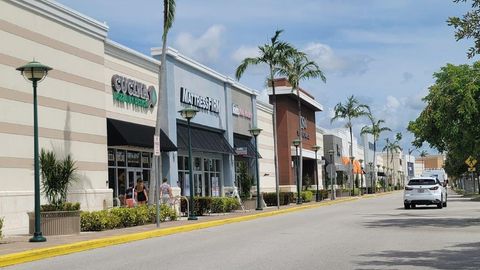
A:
[99,105]
[287,130]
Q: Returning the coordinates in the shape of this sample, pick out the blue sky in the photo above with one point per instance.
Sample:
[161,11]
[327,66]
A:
[382,51]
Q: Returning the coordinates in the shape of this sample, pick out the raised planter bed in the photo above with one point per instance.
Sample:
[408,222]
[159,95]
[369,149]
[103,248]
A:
[56,222]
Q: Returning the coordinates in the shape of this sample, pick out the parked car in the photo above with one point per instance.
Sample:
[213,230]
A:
[424,191]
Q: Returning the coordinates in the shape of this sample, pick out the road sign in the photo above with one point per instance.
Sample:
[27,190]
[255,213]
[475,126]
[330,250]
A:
[156,145]
[471,169]
[471,162]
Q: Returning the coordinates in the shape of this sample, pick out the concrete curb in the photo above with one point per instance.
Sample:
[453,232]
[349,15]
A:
[43,253]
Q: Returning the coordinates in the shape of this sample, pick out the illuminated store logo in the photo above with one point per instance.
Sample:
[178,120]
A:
[236,110]
[205,103]
[303,125]
[133,92]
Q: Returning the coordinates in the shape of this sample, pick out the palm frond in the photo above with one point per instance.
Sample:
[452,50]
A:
[168,16]
[243,66]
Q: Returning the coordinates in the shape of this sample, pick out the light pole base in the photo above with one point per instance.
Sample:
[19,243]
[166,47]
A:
[192,218]
[317,197]
[299,201]
[259,209]
[37,237]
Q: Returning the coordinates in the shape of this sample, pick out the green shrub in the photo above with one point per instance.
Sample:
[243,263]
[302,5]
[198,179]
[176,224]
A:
[124,217]
[307,196]
[1,227]
[60,207]
[205,205]
[286,198]
[57,176]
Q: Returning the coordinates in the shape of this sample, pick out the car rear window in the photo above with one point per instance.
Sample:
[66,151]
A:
[425,182]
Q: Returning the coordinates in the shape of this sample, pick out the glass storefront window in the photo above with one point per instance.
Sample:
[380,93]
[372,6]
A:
[180,163]
[185,161]
[146,160]
[111,181]
[121,158]
[111,157]
[197,164]
[133,159]
[146,178]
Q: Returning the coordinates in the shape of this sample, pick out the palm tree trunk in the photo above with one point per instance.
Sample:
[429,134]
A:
[275,150]
[162,86]
[386,184]
[300,158]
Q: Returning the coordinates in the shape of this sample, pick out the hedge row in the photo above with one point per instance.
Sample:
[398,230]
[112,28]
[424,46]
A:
[286,198]
[61,207]
[1,227]
[124,217]
[205,205]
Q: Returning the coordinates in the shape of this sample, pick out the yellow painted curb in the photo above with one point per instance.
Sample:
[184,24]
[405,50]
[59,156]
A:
[43,253]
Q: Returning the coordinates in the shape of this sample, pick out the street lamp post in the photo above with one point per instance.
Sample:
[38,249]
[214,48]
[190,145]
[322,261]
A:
[35,72]
[352,158]
[370,166]
[361,177]
[296,143]
[316,148]
[255,132]
[189,113]
[385,178]
[376,177]
[332,173]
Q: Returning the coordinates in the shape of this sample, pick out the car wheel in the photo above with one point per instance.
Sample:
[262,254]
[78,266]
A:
[445,204]
[440,204]
[407,206]
[413,205]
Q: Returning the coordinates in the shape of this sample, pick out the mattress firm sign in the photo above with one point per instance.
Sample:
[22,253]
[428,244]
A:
[201,102]
[130,91]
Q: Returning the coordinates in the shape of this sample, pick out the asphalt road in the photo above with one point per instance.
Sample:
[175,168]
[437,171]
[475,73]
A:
[375,233]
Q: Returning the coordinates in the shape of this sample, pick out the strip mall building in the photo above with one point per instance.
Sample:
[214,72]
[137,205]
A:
[99,104]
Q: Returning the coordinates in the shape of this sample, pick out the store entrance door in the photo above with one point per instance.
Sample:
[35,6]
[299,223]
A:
[133,175]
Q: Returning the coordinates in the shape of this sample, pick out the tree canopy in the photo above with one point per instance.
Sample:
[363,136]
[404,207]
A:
[449,121]
[468,26]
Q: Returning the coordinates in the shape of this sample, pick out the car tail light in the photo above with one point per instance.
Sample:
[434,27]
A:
[434,188]
[408,188]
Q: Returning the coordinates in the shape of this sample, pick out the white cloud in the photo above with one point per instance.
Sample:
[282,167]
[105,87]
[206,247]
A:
[243,52]
[329,61]
[392,104]
[205,48]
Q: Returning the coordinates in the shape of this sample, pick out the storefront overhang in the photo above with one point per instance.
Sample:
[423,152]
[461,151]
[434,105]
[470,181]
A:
[121,133]
[244,147]
[203,140]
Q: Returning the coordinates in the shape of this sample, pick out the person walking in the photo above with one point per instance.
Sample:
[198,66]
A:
[165,191]
[141,193]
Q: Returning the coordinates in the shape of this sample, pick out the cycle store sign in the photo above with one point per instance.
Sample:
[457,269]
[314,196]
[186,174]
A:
[133,92]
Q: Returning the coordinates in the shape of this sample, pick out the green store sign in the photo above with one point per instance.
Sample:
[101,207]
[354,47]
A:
[133,92]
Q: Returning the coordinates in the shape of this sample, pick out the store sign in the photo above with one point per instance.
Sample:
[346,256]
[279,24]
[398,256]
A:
[130,91]
[205,103]
[241,151]
[303,125]
[236,110]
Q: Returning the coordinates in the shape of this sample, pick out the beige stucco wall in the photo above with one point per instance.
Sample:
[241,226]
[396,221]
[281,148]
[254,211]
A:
[71,110]
[265,147]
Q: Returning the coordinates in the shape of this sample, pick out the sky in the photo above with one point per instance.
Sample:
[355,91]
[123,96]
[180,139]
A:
[384,52]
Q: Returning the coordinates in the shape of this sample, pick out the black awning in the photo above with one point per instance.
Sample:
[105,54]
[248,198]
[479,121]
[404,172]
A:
[203,140]
[121,133]
[244,147]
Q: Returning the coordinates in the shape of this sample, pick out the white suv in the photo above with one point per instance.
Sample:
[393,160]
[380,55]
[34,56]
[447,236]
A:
[424,191]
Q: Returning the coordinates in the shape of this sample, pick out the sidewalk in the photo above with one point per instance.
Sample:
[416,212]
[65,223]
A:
[17,248]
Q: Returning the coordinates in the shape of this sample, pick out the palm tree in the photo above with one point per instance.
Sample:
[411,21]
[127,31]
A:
[393,147]
[350,110]
[300,68]
[375,130]
[168,17]
[273,54]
